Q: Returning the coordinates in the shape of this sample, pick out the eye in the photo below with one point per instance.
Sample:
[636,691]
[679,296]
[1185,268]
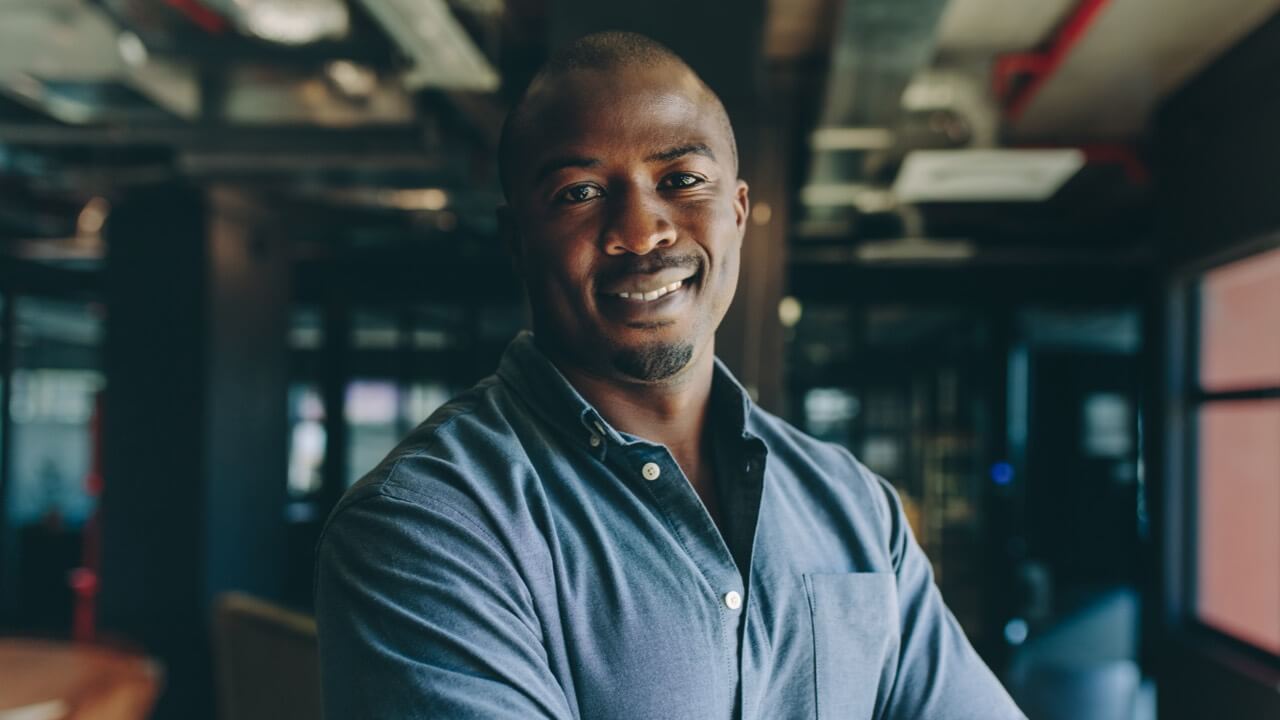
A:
[579,194]
[681,180]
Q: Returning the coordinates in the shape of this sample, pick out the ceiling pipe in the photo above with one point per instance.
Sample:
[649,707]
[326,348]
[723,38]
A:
[1122,155]
[1035,68]
[206,19]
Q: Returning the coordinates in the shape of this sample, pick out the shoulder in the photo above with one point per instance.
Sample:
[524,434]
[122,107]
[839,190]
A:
[451,466]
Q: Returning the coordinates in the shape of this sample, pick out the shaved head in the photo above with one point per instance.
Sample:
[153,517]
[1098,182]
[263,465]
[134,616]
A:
[603,52]
[625,213]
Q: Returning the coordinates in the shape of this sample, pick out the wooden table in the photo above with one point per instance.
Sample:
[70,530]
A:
[43,680]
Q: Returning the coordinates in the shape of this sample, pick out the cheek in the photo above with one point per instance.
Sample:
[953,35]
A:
[720,238]
[560,269]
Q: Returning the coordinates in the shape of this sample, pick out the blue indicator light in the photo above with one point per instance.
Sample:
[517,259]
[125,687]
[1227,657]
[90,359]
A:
[1002,473]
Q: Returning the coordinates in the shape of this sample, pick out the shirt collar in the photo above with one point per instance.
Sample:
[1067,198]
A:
[531,374]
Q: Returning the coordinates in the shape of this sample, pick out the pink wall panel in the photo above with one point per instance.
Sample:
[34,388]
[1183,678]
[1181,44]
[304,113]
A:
[1240,324]
[1238,571]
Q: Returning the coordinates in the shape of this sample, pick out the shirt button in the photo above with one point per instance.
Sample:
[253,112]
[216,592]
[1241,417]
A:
[651,471]
[595,441]
[732,600]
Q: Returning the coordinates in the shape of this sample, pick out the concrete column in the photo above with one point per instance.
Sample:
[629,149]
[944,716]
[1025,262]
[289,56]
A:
[194,426]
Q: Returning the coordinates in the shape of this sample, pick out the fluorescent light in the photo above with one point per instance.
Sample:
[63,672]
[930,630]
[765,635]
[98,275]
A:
[132,51]
[915,249]
[875,200]
[851,138]
[827,194]
[985,175]
[866,198]
[352,79]
[414,199]
[294,22]
[424,199]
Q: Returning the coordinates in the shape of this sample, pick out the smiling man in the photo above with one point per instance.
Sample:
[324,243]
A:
[609,527]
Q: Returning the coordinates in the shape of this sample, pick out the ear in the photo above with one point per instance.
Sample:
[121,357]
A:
[741,206]
[510,236]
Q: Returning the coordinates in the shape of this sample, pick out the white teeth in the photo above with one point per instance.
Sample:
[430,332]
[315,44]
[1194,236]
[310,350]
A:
[652,294]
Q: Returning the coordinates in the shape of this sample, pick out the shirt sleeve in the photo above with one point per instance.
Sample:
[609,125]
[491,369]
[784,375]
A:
[422,614]
[940,676]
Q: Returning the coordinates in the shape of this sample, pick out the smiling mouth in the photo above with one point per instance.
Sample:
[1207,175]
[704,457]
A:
[644,296]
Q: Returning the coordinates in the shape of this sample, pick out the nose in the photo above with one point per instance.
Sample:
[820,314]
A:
[638,224]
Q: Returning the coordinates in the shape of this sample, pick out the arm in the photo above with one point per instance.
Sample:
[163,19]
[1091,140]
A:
[422,614]
[940,676]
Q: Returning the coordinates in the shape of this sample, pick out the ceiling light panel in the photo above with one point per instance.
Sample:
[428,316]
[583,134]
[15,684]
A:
[985,175]
[287,22]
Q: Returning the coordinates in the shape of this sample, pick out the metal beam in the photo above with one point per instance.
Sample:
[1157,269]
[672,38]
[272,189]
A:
[395,138]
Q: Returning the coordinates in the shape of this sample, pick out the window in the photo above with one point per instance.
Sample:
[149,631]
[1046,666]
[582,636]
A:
[52,471]
[1236,411]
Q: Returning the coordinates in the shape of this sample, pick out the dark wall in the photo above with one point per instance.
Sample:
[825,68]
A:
[153,437]
[1216,150]
[195,425]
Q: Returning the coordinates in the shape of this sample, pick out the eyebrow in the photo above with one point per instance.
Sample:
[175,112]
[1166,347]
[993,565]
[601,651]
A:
[680,151]
[556,164]
[559,163]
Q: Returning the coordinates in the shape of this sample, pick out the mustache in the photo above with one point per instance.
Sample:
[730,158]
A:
[647,265]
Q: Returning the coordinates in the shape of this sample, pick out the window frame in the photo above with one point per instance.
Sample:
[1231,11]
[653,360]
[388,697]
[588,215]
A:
[1186,397]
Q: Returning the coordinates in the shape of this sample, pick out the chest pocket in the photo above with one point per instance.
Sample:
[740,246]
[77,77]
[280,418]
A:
[855,641]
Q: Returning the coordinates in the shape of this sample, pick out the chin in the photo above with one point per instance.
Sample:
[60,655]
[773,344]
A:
[653,361]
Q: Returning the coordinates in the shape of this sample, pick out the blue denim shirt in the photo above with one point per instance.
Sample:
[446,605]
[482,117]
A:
[517,557]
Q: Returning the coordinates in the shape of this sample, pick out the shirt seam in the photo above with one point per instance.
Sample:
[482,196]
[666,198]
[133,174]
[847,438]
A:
[813,633]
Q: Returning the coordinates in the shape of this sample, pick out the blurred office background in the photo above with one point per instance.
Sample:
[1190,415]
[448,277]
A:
[1022,257]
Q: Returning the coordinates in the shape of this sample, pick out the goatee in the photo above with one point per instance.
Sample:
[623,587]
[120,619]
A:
[657,361]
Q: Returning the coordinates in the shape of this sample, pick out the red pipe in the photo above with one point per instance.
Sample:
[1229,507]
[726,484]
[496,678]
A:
[208,20]
[1038,67]
[1135,170]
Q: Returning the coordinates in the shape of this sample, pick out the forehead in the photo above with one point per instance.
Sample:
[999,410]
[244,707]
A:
[619,114]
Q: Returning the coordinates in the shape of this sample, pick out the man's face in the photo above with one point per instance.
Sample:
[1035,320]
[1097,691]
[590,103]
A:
[628,219]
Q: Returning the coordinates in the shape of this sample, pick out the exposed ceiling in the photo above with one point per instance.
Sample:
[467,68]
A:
[1130,56]
[984,27]
[381,104]
[928,84]
[299,96]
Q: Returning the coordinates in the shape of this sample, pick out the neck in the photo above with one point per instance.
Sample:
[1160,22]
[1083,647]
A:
[672,413]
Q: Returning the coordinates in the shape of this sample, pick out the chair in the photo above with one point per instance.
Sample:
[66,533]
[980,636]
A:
[267,659]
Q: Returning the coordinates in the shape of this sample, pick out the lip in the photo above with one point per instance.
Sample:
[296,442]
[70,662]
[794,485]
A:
[632,310]
[642,283]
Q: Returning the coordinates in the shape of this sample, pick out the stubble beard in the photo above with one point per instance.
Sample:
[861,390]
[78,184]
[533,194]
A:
[654,362]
